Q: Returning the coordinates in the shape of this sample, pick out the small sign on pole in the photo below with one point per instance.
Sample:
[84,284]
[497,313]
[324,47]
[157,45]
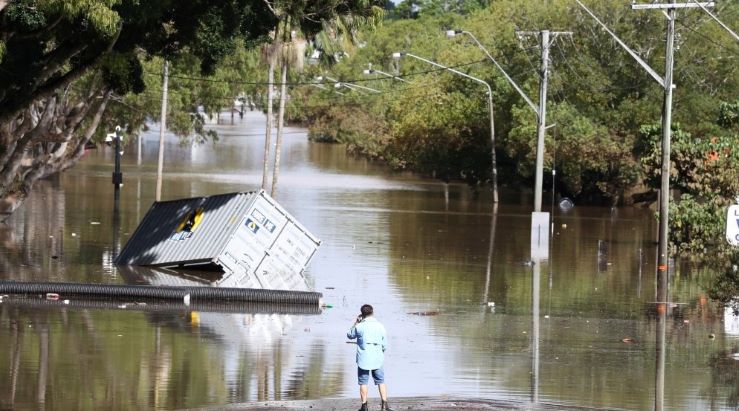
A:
[732,225]
[539,236]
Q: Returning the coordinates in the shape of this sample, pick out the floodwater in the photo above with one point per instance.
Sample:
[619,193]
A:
[445,272]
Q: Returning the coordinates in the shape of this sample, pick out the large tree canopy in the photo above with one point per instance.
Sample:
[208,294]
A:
[46,44]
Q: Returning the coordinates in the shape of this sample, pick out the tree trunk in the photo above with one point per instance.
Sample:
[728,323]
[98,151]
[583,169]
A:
[268,133]
[53,143]
[280,123]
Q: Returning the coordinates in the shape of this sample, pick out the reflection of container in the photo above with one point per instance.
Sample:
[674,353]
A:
[731,320]
[248,236]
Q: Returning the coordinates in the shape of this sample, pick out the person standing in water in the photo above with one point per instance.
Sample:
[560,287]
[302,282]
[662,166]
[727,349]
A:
[371,344]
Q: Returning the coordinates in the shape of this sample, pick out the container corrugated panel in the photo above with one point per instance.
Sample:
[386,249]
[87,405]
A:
[158,242]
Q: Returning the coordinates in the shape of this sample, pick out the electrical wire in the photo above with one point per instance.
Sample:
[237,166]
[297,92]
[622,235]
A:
[299,83]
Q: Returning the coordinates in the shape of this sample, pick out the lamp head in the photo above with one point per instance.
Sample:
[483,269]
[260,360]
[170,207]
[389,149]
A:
[398,55]
[453,33]
[337,85]
[367,71]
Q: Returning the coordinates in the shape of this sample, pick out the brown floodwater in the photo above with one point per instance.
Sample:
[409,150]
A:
[446,273]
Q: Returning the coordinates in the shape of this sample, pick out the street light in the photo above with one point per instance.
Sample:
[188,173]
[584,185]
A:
[372,71]
[351,86]
[399,55]
[539,110]
[322,87]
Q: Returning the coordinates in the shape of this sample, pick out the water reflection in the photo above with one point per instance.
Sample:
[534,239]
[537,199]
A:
[660,353]
[101,342]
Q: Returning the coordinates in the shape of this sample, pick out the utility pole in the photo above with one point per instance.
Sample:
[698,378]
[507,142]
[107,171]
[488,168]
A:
[664,197]
[162,129]
[540,130]
[547,38]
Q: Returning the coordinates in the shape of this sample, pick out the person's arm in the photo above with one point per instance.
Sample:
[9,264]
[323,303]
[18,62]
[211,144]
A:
[384,339]
[352,334]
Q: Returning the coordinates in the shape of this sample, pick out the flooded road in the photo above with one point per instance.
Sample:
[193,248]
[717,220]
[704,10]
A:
[446,273]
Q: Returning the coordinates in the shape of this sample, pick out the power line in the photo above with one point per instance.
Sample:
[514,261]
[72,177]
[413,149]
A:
[709,39]
[300,83]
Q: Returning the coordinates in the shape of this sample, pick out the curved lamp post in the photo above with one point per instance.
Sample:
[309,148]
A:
[372,71]
[347,85]
[539,110]
[399,55]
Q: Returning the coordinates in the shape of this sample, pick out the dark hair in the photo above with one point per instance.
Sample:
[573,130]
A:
[366,310]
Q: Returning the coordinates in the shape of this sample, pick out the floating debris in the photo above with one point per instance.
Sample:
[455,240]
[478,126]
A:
[565,204]
[628,340]
[425,313]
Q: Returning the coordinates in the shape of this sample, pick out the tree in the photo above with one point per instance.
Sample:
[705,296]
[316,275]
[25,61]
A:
[296,21]
[598,97]
[51,48]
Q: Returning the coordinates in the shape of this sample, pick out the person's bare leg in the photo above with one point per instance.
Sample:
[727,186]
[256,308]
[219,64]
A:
[383,398]
[383,392]
[363,393]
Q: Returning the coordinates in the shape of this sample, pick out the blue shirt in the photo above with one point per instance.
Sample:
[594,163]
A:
[371,343]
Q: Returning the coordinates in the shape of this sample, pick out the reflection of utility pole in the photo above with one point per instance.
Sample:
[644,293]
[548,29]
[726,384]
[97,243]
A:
[138,154]
[163,127]
[15,360]
[43,367]
[535,289]
[542,117]
[659,380]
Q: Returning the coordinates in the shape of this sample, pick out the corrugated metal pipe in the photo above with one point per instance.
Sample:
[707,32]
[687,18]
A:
[165,306]
[186,294]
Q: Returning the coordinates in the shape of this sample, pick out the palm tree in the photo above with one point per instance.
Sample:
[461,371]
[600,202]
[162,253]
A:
[288,49]
[293,55]
[269,54]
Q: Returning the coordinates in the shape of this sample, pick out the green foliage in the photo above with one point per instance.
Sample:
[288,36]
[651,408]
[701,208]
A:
[725,285]
[598,97]
[696,224]
[415,8]
[728,116]
[706,171]
[57,41]
[123,73]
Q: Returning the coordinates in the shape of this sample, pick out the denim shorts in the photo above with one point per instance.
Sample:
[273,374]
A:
[378,375]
